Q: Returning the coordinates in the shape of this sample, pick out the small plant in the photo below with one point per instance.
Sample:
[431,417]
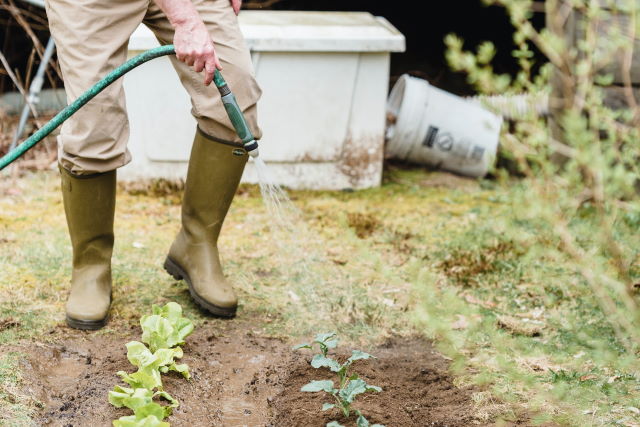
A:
[349,384]
[164,331]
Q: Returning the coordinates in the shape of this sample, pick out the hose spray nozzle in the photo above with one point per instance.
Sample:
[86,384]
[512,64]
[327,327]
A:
[235,115]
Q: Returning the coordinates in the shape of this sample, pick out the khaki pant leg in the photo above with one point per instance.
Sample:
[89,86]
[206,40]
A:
[91,38]
[237,70]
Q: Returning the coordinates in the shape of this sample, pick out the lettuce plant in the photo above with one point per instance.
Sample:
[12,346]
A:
[163,331]
[349,385]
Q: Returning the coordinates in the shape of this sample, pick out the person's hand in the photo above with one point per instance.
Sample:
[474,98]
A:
[195,48]
[236,5]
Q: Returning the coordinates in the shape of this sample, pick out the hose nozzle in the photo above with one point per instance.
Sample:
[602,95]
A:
[235,115]
[252,148]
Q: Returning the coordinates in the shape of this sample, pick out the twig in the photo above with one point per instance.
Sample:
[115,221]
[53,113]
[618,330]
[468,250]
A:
[27,77]
[16,82]
[15,12]
[256,4]
[41,22]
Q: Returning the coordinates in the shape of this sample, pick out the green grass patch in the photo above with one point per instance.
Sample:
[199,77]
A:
[516,316]
[17,408]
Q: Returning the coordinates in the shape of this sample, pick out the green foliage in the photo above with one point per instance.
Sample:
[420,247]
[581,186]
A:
[324,341]
[163,331]
[564,253]
[165,328]
[350,385]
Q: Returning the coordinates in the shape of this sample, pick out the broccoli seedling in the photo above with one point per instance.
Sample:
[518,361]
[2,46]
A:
[349,384]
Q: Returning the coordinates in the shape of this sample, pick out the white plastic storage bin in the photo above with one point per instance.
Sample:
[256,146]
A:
[324,77]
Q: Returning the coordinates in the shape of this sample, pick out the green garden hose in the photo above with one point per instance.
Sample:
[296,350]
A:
[230,104]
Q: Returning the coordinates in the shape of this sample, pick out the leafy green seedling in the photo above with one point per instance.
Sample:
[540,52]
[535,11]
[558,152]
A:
[150,365]
[324,341]
[140,401]
[140,421]
[165,328]
[163,331]
[349,384]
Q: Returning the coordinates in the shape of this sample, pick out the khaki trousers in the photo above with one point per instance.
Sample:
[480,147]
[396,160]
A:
[92,38]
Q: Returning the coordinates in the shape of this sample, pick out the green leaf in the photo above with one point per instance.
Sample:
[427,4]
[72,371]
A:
[329,339]
[181,368]
[334,424]
[327,406]
[331,343]
[301,346]
[171,311]
[173,403]
[361,421]
[324,337]
[166,327]
[324,385]
[148,379]
[359,355]
[166,356]
[355,388]
[486,52]
[153,409]
[133,421]
[320,361]
[140,401]
[151,364]
[156,331]
[118,394]
[139,355]
[604,79]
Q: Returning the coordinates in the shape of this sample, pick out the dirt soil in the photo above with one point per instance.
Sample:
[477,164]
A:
[241,379]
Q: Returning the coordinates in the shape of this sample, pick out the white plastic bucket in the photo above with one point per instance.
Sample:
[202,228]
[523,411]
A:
[433,127]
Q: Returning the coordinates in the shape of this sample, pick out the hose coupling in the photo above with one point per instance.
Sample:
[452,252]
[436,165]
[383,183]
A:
[252,148]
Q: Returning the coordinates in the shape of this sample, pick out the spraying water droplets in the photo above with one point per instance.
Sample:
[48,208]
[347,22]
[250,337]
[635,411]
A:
[280,208]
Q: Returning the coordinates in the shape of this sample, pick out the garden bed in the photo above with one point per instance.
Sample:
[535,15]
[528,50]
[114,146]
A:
[239,378]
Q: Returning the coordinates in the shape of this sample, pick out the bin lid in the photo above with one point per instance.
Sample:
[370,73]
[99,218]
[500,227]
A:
[297,31]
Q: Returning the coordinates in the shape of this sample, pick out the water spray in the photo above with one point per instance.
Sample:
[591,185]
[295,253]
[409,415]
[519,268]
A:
[229,100]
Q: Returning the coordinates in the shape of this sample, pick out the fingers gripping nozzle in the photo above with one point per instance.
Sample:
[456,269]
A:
[235,115]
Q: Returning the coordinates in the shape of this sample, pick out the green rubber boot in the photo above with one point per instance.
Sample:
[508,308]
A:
[215,169]
[89,204]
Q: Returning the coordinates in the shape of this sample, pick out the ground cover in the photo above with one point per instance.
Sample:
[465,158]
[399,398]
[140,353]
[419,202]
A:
[426,255]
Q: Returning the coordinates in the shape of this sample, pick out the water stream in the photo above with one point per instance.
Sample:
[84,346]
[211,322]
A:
[280,208]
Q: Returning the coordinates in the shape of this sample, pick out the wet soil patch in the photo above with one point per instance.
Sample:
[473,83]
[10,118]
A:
[417,391]
[240,379]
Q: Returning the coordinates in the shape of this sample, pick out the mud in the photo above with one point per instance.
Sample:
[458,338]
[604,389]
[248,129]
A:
[240,379]
[417,391]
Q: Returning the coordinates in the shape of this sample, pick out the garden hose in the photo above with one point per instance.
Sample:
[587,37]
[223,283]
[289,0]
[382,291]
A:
[230,104]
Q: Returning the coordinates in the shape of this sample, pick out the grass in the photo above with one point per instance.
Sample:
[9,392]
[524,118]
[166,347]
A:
[426,252]
[17,408]
[514,315]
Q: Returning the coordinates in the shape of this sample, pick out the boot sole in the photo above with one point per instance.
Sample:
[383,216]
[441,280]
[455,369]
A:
[86,325]
[178,273]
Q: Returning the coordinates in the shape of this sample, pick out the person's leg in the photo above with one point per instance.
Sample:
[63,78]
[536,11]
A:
[91,38]
[237,69]
[217,160]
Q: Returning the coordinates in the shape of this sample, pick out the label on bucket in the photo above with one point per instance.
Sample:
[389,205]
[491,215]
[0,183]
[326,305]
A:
[446,142]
